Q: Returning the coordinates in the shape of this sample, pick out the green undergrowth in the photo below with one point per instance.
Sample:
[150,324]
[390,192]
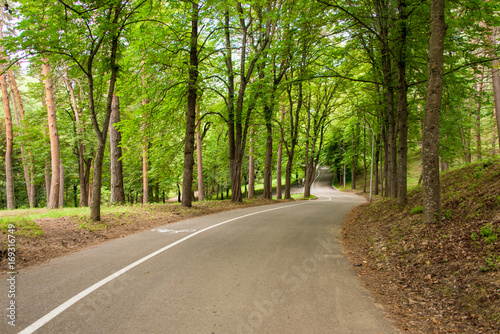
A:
[20,226]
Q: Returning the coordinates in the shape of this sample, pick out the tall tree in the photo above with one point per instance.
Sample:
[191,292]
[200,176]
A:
[430,144]
[55,181]
[9,133]
[115,138]
[187,184]
[238,123]
[27,158]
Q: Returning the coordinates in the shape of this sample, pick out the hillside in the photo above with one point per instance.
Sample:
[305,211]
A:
[434,278]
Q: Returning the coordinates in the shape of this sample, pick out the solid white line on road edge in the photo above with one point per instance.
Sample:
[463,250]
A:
[58,310]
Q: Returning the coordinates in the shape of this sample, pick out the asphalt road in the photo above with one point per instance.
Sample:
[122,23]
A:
[270,269]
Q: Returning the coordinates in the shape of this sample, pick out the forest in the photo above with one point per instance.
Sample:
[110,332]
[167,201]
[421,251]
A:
[136,101]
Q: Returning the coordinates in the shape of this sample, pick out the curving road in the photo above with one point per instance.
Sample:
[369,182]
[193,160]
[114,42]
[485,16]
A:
[271,269]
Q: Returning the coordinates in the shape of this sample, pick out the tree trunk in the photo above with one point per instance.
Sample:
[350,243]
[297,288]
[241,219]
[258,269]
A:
[279,162]
[53,200]
[80,148]
[251,169]
[47,181]
[9,133]
[478,116]
[390,139]
[61,185]
[145,183]
[402,172]
[145,186]
[95,204]
[294,130]
[378,157]
[268,180]
[430,145]
[355,145]
[199,165]
[307,189]
[28,166]
[365,166]
[495,78]
[187,184]
[115,138]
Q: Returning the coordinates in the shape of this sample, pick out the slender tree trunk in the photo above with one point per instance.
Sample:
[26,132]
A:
[199,165]
[115,138]
[61,185]
[9,132]
[95,204]
[430,145]
[495,76]
[378,157]
[355,146]
[187,184]
[402,172]
[54,138]
[279,162]
[478,116]
[493,144]
[385,181]
[28,166]
[294,130]
[365,166]
[145,183]
[80,148]
[251,169]
[268,180]
[307,190]
[47,180]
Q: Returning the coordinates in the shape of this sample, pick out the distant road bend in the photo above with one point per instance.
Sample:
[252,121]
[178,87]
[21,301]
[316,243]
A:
[271,269]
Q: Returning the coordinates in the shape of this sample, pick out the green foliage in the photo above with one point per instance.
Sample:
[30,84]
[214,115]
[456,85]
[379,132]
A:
[492,263]
[488,233]
[417,209]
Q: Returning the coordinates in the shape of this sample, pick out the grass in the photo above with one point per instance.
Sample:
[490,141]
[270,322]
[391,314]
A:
[21,226]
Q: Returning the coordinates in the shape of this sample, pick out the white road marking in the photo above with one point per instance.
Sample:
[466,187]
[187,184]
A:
[166,230]
[61,308]
[313,190]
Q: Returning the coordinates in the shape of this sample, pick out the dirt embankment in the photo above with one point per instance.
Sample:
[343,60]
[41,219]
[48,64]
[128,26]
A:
[434,278]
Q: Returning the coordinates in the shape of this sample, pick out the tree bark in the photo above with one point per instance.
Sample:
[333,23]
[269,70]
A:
[268,179]
[187,184]
[199,165]
[28,166]
[251,168]
[402,172]
[61,185]
[430,145]
[53,200]
[307,190]
[478,116]
[83,173]
[95,203]
[279,162]
[294,130]
[9,133]
[115,138]
[495,76]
